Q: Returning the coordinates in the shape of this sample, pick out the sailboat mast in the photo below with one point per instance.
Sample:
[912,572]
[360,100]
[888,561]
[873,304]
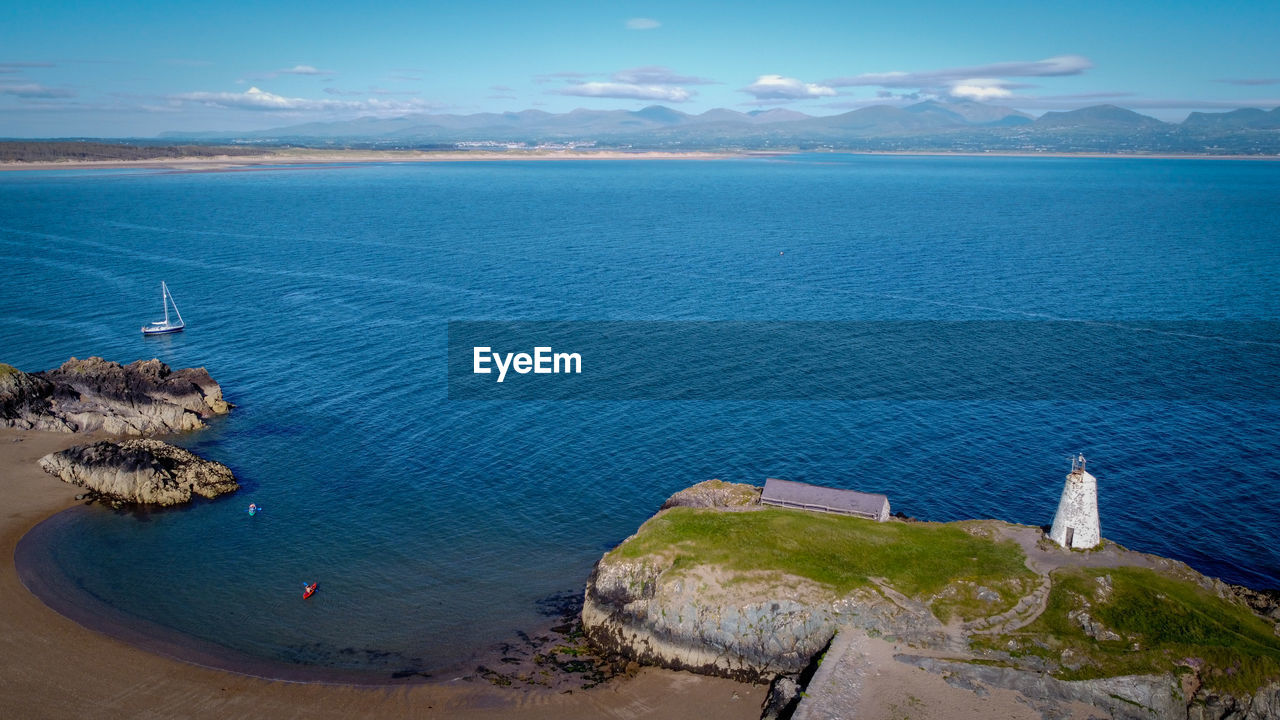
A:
[164,300]
[175,308]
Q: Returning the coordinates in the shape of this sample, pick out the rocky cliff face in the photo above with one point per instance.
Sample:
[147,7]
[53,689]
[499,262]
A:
[140,471]
[96,395]
[747,628]
[1262,705]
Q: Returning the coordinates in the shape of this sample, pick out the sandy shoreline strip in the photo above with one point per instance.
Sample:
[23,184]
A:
[51,667]
[229,163]
[330,157]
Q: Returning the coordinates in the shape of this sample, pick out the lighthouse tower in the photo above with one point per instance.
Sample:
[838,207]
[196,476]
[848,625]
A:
[1076,524]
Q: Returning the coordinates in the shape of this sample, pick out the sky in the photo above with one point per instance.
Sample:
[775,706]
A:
[97,68]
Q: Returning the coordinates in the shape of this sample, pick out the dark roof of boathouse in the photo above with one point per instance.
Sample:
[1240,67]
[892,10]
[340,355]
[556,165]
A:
[786,493]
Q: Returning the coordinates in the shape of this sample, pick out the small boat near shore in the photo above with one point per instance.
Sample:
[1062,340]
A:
[162,327]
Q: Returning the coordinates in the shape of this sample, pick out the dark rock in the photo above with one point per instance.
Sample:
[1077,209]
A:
[784,695]
[94,394]
[1263,602]
[140,471]
[1262,705]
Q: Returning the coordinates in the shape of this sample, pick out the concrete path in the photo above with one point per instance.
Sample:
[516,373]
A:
[836,689]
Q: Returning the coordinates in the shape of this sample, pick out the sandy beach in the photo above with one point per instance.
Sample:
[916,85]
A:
[330,157]
[51,667]
[301,157]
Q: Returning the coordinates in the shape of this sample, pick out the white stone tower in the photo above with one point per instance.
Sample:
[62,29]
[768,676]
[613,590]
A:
[1076,524]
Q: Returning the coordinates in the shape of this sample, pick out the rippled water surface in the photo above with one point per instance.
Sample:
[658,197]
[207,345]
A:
[319,297]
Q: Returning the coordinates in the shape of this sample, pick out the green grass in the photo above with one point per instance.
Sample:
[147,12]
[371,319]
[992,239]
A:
[1170,619]
[917,559]
[7,370]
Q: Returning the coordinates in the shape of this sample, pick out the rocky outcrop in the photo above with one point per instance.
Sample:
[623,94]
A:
[1262,705]
[1129,697]
[693,621]
[716,494]
[97,395]
[745,627]
[140,471]
[1263,602]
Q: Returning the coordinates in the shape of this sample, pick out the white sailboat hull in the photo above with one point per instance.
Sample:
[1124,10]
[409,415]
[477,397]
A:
[166,326]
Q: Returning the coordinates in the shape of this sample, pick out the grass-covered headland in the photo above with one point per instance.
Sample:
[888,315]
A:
[843,553]
[1134,615]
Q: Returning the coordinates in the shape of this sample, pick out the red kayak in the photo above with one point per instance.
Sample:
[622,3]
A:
[311,590]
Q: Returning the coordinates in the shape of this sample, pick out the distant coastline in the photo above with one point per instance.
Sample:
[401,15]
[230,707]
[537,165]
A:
[229,163]
[330,157]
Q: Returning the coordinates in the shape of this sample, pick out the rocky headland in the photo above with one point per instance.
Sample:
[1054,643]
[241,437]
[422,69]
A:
[146,397]
[142,471]
[96,395]
[840,610]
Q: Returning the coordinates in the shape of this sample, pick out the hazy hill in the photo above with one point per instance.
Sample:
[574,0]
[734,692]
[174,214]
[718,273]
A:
[931,125]
[1251,118]
[973,113]
[1097,117]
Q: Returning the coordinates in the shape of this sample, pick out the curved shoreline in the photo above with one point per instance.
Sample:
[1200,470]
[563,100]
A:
[40,575]
[52,666]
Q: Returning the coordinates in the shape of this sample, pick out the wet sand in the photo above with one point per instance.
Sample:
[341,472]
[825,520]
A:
[51,667]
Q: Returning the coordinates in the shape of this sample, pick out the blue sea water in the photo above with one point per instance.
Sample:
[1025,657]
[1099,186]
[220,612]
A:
[320,296]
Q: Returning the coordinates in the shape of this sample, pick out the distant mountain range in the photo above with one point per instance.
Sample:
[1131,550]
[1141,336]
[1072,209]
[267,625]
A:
[959,126]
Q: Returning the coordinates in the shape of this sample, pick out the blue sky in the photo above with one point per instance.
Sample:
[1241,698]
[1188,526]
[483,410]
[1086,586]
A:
[120,69]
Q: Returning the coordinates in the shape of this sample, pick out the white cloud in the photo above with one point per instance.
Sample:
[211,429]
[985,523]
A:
[365,93]
[34,90]
[255,99]
[980,89]
[777,87]
[641,23]
[650,82]
[295,70]
[1049,67]
[658,75]
[304,70]
[629,91]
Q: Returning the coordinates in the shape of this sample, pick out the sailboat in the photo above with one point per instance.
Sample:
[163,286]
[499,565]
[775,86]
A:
[161,327]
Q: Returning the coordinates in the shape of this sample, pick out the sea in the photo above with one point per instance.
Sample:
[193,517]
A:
[441,524]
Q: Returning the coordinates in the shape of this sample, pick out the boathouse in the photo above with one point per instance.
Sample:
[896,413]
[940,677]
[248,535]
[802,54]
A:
[802,496]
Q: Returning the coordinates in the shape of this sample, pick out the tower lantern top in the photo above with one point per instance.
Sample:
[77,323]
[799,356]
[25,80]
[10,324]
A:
[1077,464]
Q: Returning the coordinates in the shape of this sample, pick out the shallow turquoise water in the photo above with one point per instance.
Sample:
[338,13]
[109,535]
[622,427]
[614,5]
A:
[319,297]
